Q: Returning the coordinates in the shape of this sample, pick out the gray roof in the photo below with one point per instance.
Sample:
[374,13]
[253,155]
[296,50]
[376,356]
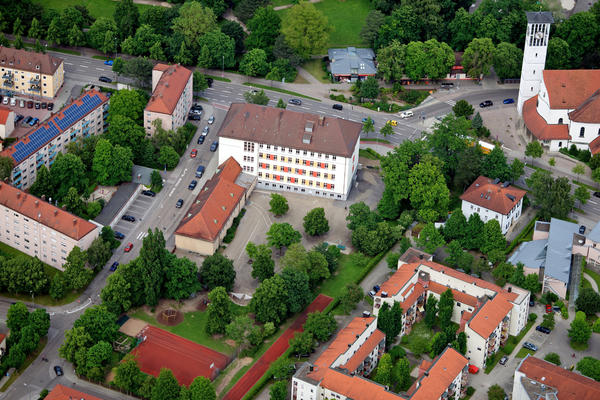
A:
[594,234]
[539,17]
[352,60]
[531,254]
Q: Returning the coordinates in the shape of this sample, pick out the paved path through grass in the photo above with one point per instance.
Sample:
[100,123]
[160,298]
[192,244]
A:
[239,390]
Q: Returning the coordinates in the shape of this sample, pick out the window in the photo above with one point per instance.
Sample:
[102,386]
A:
[560,120]
[582,132]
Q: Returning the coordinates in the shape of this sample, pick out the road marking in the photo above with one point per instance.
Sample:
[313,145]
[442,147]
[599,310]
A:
[226,91]
[450,102]
[142,235]
[100,69]
[84,66]
[66,63]
[592,201]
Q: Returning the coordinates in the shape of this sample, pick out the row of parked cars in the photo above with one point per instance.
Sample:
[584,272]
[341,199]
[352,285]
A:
[29,120]
[7,100]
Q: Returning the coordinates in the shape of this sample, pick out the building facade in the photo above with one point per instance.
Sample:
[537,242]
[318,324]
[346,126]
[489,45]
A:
[41,230]
[7,122]
[220,200]
[29,73]
[486,312]
[83,117]
[292,151]
[492,199]
[172,96]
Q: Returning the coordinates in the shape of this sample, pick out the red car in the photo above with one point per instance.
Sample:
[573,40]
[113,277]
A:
[194,153]
[128,247]
[548,308]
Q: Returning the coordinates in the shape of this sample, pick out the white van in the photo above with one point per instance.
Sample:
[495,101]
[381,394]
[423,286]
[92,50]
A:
[406,114]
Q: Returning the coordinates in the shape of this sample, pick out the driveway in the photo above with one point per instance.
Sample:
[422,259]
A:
[138,208]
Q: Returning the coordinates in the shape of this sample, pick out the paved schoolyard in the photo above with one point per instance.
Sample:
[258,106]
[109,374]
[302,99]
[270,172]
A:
[258,219]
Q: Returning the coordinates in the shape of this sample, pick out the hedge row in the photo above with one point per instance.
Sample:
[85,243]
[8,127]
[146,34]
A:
[522,237]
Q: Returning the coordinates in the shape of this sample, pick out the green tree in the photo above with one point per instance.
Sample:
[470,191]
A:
[139,68]
[35,31]
[153,261]
[279,204]
[278,391]
[588,301]
[438,344]
[259,97]
[369,89]
[269,301]
[350,297]
[156,180]
[43,184]
[126,17]
[76,37]
[321,325]
[368,126]
[6,166]
[386,130]
[534,150]
[280,104]
[429,193]
[128,375]
[97,33]
[282,235]
[462,343]
[430,239]
[219,311]
[217,50]
[462,108]
[217,270]
[494,165]
[263,266]
[76,274]
[447,142]
[552,196]
[548,321]
[392,260]
[201,388]
[430,311]
[384,370]
[389,321]
[239,328]
[235,31]
[58,287]
[115,295]
[194,22]
[580,331]
[478,57]
[53,34]
[581,32]
[166,386]
[112,164]
[559,54]
[582,194]
[477,121]
[508,60]
[302,343]
[445,307]
[17,317]
[315,223]
[401,374]
[181,279]
[589,366]
[368,33]
[254,63]
[455,227]
[67,171]
[306,29]
[492,238]
[98,253]
[99,323]
[168,157]
[391,61]
[264,29]
[495,392]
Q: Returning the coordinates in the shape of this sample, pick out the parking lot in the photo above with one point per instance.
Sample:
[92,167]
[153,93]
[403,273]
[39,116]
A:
[21,107]
[138,209]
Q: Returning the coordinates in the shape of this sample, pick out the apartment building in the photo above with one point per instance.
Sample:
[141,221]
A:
[172,96]
[84,116]
[487,313]
[29,73]
[38,228]
[537,379]
[492,199]
[7,122]
[339,372]
[220,200]
[292,151]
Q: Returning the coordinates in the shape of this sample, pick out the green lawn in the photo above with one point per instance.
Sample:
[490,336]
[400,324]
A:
[314,68]
[595,276]
[192,328]
[523,352]
[347,18]
[277,3]
[346,273]
[420,335]
[98,8]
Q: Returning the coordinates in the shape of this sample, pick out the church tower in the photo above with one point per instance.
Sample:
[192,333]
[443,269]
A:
[534,55]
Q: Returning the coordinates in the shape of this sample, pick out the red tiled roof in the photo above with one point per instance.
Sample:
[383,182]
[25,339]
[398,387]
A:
[441,374]
[588,111]
[488,317]
[61,392]
[45,213]
[484,193]
[28,61]
[364,350]
[412,255]
[413,297]
[4,113]
[280,127]
[458,296]
[538,125]
[214,204]
[2,337]
[169,88]
[186,359]
[570,385]
[595,145]
[568,88]
[395,283]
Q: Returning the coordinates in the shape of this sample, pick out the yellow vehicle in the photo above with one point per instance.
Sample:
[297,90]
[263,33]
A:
[393,122]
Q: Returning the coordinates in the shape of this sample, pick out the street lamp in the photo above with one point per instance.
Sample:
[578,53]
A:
[223,68]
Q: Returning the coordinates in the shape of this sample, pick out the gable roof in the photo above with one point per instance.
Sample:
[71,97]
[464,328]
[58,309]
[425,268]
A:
[29,61]
[4,114]
[493,195]
[444,369]
[488,317]
[531,254]
[570,385]
[54,126]
[352,60]
[588,111]
[569,88]
[44,213]
[595,145]
[538,126]
[214,204]
[169,88]
[594,234]
[280,127]
[560,245]
[61,392]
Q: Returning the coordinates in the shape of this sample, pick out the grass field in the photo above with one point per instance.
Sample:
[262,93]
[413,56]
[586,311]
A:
[523,352]
[347,18]
[98,8]
[346,273]
[192,328]
[595,276]
[314,68]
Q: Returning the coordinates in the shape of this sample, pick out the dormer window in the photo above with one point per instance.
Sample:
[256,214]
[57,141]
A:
[560,121]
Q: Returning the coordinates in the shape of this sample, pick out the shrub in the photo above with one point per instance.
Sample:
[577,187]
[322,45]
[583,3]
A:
[470,391]
[553,358]
[532,317]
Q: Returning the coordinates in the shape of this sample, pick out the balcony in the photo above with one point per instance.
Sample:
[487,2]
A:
[9,82]
[40,163]
[35,88]
[35,81]
[17,180]
[7,75]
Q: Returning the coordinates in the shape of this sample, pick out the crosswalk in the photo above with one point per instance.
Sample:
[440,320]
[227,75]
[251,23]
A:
[142,235]
[450,102]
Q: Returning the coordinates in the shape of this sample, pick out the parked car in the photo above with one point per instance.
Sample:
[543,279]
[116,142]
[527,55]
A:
[200,171]
[13,102]
[209,82]
[50,106]
[119,235]
[596,194]
[201,139]
[447,85]
[44,106]
[194,153]
[149,193]
[548,308]
[18,117]
[406,114]
[508,101]
[211,120]
[214,145]
[37,105]
[128,247]
[503,360]
[372,293]
[108,62]
[179,203]
[58,370]
[5,100]
[205,131]
[486,103]
[531,303]
[556,309]
[129,218]
[105,79]
[193,184]
[543,329]
[28,119]
[34,121]
[582,229]
[194,117]
[530,346]
[30,104]
[392,122]
[22,103]
[114,266]
[197,106]
[338,107]
[376,288]
[296,102]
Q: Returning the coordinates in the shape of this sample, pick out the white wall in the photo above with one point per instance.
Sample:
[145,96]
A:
[344,357]
[534,59]
[505,220]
